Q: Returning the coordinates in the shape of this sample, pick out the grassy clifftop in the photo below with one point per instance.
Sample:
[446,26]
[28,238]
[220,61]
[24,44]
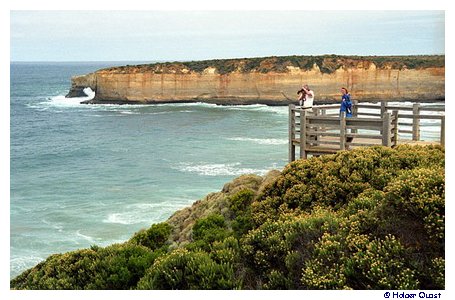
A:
[325,63]
[370,218]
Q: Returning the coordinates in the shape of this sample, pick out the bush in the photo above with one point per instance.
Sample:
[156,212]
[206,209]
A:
[382,264]
[370,218]
[114,267]
[154,238]
[325,269]
[240,205]
[210,229]
[335,180]
[185,270]
[421,194]
[284,245]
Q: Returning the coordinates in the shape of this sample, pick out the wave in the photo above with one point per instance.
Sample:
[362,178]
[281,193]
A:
[20,263]
[244,107]
[129,112]
[145,213]
[260,141]
[85,237]
[120,218]
[281,110]
[57,226]
[232,169]
[62,101]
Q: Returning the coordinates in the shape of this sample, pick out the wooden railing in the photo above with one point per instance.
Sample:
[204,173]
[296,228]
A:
[418,113]
[322,130]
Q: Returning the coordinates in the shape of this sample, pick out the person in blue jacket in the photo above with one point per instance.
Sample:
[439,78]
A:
[346,104]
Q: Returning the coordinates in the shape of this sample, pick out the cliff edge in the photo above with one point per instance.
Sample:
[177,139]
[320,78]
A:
[269,80]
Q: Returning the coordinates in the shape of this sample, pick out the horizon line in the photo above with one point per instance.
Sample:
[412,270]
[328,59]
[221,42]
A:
[185,60]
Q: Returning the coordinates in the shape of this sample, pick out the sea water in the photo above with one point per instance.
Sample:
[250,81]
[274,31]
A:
[85,175]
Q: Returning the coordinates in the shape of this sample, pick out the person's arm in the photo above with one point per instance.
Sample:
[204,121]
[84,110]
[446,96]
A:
[308,92]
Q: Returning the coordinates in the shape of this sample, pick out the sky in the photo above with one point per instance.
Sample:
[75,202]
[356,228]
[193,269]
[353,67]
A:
[96,35]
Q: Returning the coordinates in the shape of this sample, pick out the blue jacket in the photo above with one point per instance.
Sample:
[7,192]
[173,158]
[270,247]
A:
[346,105]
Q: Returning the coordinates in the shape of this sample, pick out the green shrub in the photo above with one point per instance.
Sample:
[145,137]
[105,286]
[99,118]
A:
[154,238]
[241,201]
[436,273]
[335,180]
[370,218]
[285,245]
[382,265]
[325,269]
[421,193]
[240,205]
[210,229]
[114,267]
[184,270]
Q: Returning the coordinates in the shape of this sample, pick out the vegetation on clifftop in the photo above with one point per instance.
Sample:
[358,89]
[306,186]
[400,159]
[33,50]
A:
[280,64]
[370,218]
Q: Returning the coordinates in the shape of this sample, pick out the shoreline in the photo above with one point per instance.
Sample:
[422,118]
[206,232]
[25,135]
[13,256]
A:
[235,102]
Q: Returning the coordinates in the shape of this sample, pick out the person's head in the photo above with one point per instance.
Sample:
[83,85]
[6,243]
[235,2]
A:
[344,90]
[306,87]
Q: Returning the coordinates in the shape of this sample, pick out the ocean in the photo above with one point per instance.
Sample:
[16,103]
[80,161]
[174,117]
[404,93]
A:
[85,175]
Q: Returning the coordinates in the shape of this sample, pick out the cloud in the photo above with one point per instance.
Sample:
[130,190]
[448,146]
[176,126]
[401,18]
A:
[176,35]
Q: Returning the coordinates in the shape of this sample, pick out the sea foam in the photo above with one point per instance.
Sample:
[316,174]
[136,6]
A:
[232,169]
[260,141]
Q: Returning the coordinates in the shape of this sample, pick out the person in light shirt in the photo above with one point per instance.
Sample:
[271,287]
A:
[306,97]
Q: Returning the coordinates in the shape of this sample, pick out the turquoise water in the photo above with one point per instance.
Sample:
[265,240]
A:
[95,174]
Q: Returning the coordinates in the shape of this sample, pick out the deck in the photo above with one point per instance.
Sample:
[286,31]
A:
[322,130]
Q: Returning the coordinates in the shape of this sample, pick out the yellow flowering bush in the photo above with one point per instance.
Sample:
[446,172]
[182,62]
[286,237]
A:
[370,218]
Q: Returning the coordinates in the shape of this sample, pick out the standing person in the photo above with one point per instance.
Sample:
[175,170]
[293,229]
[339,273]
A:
[346,103]
[306,97]
[346,107]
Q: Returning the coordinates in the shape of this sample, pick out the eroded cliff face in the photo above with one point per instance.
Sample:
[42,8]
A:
[178,83]
[79,83]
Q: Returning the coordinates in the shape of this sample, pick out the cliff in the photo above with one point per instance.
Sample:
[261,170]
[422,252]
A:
[271,80]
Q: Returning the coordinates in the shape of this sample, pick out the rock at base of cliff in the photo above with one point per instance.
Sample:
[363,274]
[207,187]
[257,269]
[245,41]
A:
[76,92]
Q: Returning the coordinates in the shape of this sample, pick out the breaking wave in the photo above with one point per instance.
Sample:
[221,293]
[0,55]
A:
[260,141]
[233,169]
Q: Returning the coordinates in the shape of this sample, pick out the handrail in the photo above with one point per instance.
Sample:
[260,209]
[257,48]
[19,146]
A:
[310,124]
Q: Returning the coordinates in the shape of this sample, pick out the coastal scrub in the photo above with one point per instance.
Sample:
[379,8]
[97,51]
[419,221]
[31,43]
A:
[370,218]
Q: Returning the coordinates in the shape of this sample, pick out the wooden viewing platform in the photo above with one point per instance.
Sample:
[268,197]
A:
[322,130]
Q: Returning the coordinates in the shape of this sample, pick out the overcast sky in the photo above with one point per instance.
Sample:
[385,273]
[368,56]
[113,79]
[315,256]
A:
[194,35]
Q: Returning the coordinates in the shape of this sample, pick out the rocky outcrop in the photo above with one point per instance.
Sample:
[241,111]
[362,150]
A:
[272,81]
[79,83]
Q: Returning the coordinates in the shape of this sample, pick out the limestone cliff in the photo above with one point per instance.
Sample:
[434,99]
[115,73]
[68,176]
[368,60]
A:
[272,80]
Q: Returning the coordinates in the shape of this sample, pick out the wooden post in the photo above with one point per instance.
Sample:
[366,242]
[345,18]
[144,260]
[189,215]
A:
[291,132]
[383,109]
[316,128]
[342,130]
[303,153]
[415,122]
[443,130]
[386,124]
[395,127]
[355,113]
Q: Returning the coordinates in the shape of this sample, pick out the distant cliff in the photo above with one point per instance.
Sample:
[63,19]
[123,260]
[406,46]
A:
[269,80]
